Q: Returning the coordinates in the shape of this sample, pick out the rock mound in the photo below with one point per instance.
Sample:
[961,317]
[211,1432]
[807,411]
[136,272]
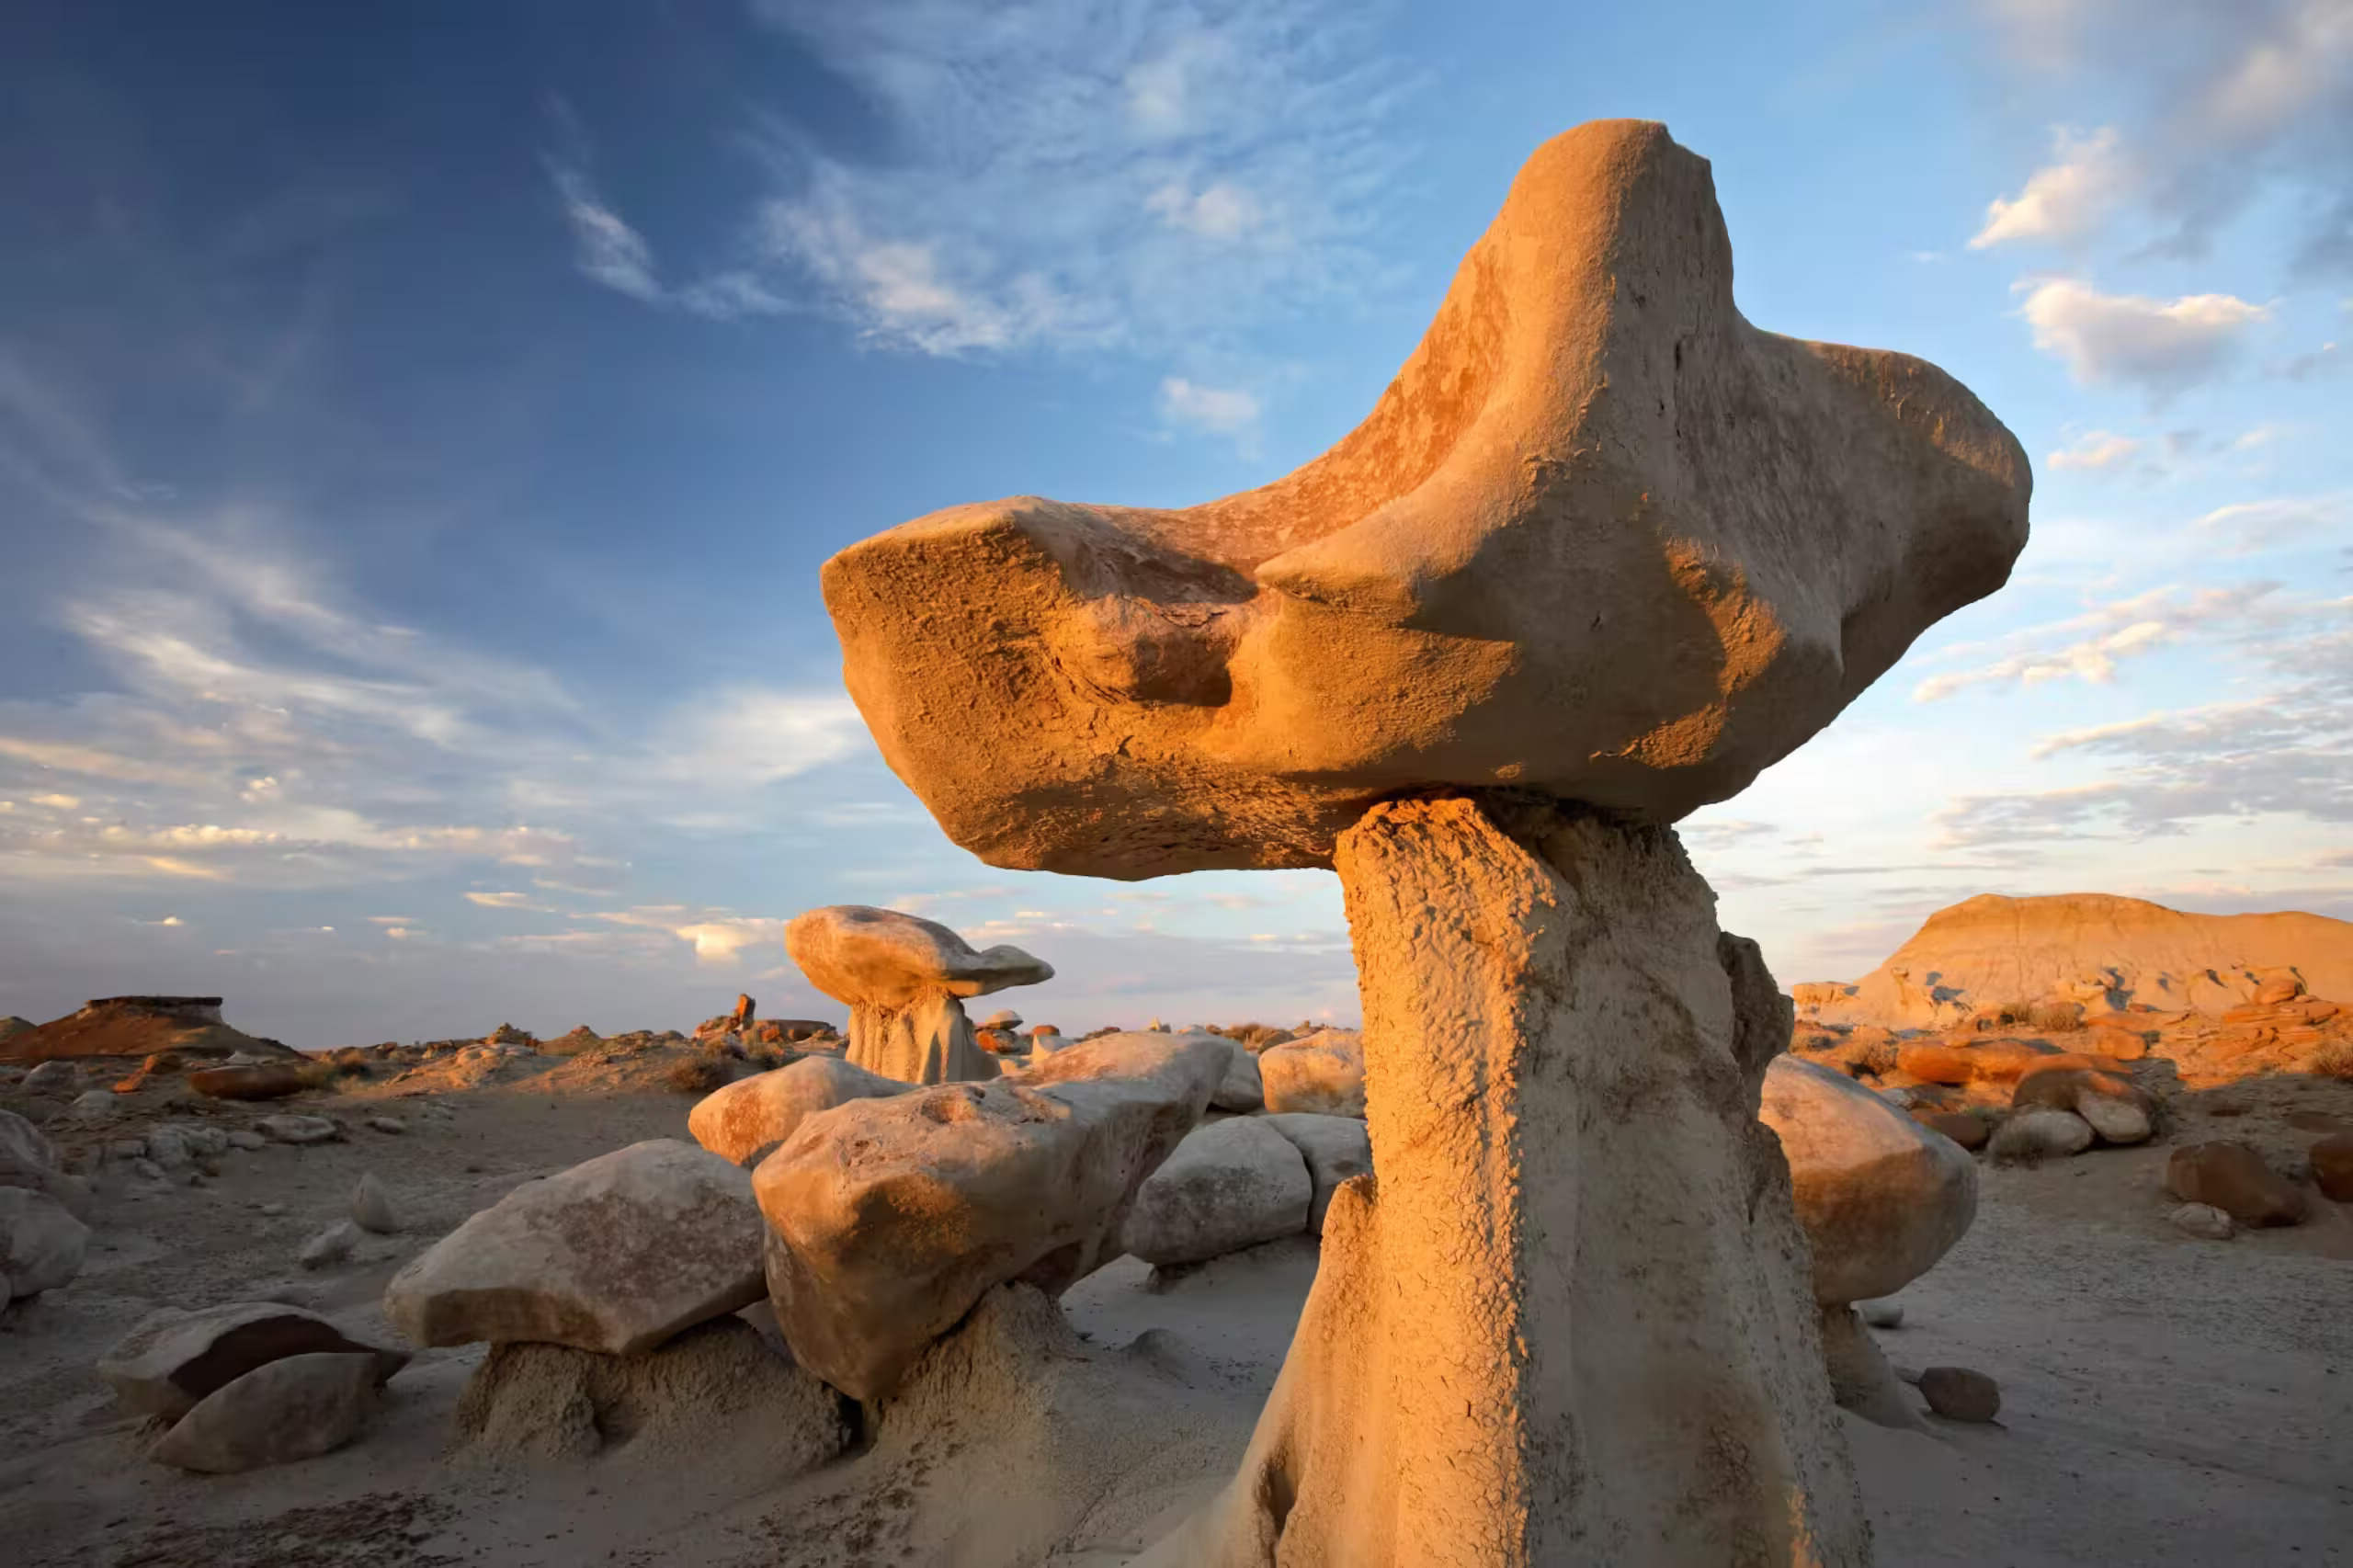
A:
[2105,952]
[139,1026]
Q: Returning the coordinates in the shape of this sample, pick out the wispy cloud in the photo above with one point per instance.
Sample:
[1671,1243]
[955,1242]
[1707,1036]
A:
[1063,175]
[2089,646]
[2066,200]
[1226,411]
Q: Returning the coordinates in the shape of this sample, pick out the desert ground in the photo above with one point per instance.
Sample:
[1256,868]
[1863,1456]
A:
[2166,1399]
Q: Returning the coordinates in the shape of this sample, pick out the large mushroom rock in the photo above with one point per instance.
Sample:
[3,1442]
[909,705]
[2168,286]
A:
[1880,1198]
[615,1254]
[171,1360]
[1601,542]
[745,1120]
[904,979]
[1600,539]
[889,1218]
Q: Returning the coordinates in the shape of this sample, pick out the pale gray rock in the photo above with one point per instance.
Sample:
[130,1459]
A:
[1881,1314]
[1240,1090]
[1322,1074]
[292,1128]
[173,1358]
[371,1207]
[42,1244]
[744,1121]
[889,1218]
[1880,1198]
[391,1127]
[167,1146]
[2117,1118]
[146,1169]
[2203,1221]
[29,1161]
[95,1105]
[1336,1149]
[615,1254]
[295,1408]
[1861,1378]
[330,1247]
[246,1138]
[49,1078]
[2041,1133]
[1230,1185]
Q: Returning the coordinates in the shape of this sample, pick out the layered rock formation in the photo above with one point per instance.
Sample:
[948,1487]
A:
[2105,952]
[905,978]
[139,1026]
[1601,542]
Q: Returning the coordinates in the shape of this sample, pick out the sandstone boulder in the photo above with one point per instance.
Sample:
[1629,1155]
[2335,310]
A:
[1322,1074]
[174,1359]
[1230,1185]
[1336,1148]
[889,1218]
[1880,1197]
[2332,1160]
[615,1254]
[904,979]
[294,1408]
[2203,1221]
[1959,1393]
[2118,1110]
[270,1081]
[42,1244]
[2234,1179]
[744,1121]
[1970,1132]
[1234,684]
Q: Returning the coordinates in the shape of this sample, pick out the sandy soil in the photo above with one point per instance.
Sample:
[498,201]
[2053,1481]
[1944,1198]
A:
[2165,1401]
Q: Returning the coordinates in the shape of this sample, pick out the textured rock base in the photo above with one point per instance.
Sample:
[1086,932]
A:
[928,1040]
[1570,1319]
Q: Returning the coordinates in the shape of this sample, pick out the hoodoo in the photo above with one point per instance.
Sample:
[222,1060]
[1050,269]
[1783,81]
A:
[1601,553]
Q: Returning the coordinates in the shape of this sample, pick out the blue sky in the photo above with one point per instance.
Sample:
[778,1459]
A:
[421,425]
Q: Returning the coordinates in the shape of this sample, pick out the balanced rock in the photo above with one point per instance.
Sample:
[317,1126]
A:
[889,1218]
[1336,1149]
[1230,1185]
[904,979]
[552,1402]
[174,1359]
[1322,1074]
[294,1408]
[617,1255]
[1880,1197]
[745,1120]
[2041,1133]
[2234,1179]
[42,1244]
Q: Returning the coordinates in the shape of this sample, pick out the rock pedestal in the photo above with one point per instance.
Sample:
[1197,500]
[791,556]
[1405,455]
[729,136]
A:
[1570,1321]
[904,979]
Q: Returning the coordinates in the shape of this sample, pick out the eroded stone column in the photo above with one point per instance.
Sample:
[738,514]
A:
[927,1040]
[1570,1319]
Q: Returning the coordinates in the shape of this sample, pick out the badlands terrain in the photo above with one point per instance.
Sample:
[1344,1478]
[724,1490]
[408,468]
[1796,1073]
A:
[2165,1397]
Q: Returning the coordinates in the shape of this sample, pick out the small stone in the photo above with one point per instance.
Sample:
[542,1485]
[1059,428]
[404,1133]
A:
[1958,1393]
[371,1207]
[391,1126]
[330,1247]
[2027,1136]
[96,1104]
[147,1170]
[246,1138]
[272,1210]
[2203,1221]
[1882,1313]
[298,1129]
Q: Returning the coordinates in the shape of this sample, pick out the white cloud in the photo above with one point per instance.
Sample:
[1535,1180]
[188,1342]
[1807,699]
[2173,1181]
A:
[2103,635]
[1225,410]
[1223,211]
[2096,451]
[57,802]
[509,899]
[2067,200]
[2161,346]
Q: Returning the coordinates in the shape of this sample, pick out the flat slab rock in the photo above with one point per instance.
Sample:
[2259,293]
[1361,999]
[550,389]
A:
[617,1255]
[296,1408]
[889,1218]
[174,1359]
